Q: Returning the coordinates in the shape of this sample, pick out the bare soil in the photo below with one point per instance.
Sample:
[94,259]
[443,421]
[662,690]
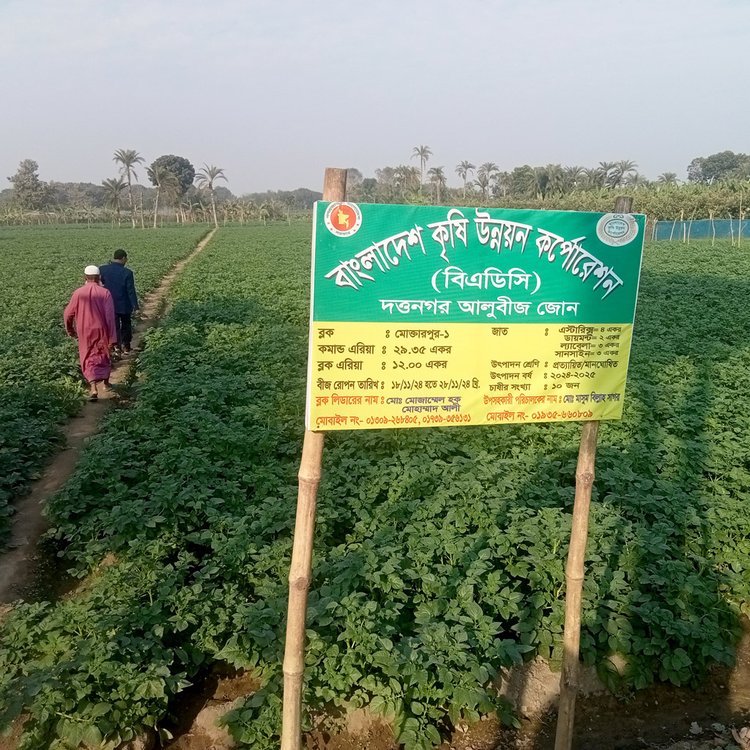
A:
[23,566]
[662,717]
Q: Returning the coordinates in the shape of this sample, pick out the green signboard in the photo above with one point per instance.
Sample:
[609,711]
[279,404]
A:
[532,265]
[467,310]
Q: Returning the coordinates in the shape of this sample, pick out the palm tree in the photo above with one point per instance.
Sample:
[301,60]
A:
[166,183]
[437,178]
[572,177]
[482,182]
[607,169]
[127,158]
[555,179]
[423,153]
[113,193]
[635,180]
[667,178]
[619,171]
[205,178]
[405,179]
[501,184]
[488,169]
[462,170]
[594,177]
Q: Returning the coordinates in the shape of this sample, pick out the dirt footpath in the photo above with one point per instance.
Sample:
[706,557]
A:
[21,560]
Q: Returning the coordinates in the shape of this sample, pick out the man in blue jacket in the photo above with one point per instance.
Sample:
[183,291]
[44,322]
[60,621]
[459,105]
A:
[121,285]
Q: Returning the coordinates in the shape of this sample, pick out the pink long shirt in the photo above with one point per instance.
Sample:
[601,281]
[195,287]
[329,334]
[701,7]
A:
[90,317]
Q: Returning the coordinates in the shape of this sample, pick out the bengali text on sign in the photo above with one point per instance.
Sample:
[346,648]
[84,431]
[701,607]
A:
[435,316]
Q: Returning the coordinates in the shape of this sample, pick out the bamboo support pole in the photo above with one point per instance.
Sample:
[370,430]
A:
[300,572]
[574,569]
[739,228]
[574,585]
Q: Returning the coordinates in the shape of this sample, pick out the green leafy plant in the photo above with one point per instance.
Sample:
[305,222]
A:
[439,554]
[40,381]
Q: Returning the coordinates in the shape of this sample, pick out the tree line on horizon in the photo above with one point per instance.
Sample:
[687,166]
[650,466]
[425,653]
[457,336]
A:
[172,177]
[176,188]
[715,185]
[488,181]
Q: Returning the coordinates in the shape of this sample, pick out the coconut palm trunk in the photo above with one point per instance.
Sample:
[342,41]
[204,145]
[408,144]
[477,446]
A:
[132,202]
[127,158]
[213,209]
[206,178]
[156,205]
[422,153]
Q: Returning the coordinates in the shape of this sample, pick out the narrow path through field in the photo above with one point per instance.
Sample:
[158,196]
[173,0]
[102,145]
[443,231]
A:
[20,562]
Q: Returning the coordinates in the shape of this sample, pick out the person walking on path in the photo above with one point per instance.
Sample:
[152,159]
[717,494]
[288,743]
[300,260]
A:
[90,317]
[121,285]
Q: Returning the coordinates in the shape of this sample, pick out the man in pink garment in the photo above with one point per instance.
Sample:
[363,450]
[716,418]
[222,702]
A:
[90,317]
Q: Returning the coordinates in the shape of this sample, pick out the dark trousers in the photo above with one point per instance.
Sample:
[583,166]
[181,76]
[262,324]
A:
[124,330]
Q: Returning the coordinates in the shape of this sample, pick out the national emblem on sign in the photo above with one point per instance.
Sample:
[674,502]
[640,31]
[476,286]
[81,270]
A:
[617,230]
[343,219]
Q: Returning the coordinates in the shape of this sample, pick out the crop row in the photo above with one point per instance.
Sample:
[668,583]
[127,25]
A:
[439,553]
[39,374]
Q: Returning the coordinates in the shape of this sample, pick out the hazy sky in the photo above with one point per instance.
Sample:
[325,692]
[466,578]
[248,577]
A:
[274,92]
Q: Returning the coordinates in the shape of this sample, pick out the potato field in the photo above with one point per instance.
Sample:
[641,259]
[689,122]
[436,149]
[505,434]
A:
[439,553]
[39,375]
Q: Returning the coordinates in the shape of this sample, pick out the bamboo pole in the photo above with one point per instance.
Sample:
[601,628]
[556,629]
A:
[300,572]
[739,228]
[574,585]
[574,568]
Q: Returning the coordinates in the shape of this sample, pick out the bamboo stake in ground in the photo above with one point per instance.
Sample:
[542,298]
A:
[300,572]
[574,585]
[575,568]
[739,228]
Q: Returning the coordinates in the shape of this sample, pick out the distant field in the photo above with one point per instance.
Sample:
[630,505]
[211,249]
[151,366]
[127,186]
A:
[40,382]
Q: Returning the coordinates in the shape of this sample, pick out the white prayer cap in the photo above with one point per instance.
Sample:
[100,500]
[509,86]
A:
[91,271]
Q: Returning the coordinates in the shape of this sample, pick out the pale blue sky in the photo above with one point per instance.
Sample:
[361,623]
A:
[274,92]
